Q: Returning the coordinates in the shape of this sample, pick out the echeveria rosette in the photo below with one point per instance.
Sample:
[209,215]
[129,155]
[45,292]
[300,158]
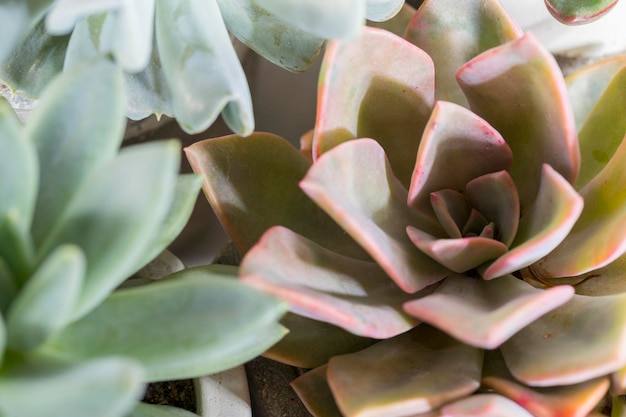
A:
[178,55]
[576,12]
[78,217]
[473,199]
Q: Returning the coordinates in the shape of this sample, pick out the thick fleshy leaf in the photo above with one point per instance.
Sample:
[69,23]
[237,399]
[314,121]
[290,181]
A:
[398,23]
[207,322]
[458,255]
[193,40]
[484,405]
[151,410]
[323,18]
[571,400]
[452,210]
[585,87]
[100,388]
[381,10]
[132,23]
[453,31]
[16,248]
[543,227]
[495,197]
[405,375]
[313,390]
[16,19]
[18,169]
[46,302]
[455,137]
[72,144]
[376,86]
[598,237]
[603,131]
[182,204]
[8,289]
[486,313]
[116,214]
[573,12]
[607,280]
[537,123]
[277,40]
[252,185]
[3,338]
[311,343]
[536,356]
[317,283]
[40,58]
[372,209]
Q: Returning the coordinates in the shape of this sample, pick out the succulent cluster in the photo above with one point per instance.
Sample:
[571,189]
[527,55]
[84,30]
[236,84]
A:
[178,55]
[450,237]
[77,218]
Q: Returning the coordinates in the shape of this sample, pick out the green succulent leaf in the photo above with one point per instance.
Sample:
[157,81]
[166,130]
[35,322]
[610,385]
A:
[585,87]
[484,405]
[537,123]
[618,382]
[150,410]
[375,86]
[193,41]
[597,238]
[8,287]
[603,130]
[315,394]
[372,209]
[486,313]
[398,23]
[3,338]
[100,388]
[252,185]
[452,35]
[133,22]
[574,12]
[535,355]
[197,321]
[16,19]
[277,40]
[411,373]
[456,137]
[116,214]
[46,302]
[572,400]
[311,343]
[39,60]
[18,169]
[323,18]
[71,143]
[317,283]
[183,202]
[381,10]
[543,227]
[16,248]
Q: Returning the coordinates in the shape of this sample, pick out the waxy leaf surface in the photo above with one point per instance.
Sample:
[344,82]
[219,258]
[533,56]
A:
[452,32]
[486,313]
[573,12]
[411,373]
[536,123]
[252,185]
[317,283]
[372,209]
[375,86]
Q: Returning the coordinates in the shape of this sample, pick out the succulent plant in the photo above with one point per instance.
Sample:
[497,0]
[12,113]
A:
[178,54]
[450,236]
[574,12]
[77,218]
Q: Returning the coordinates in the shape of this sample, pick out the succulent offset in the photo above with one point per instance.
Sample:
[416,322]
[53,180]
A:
[77,218]
[178,54]
[450,236]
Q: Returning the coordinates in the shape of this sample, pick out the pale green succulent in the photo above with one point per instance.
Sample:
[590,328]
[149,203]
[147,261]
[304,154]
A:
[576,12]
[178,54]
[452,235]
[77,218]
